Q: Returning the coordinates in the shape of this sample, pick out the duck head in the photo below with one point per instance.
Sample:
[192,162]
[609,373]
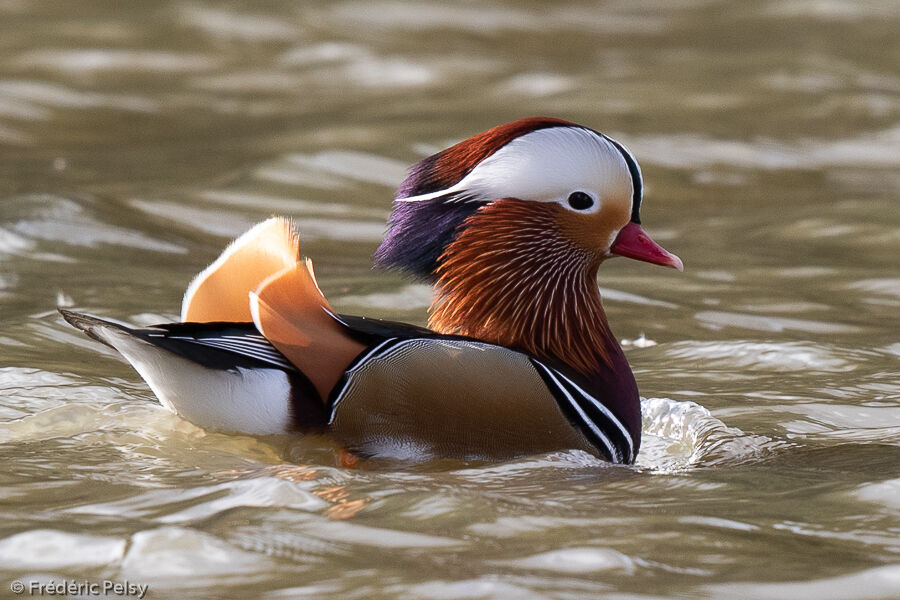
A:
[512,224]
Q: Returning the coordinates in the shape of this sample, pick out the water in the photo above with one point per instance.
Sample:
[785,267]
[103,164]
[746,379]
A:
[136,139]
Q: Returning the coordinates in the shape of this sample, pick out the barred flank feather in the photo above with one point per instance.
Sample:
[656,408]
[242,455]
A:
[511,279]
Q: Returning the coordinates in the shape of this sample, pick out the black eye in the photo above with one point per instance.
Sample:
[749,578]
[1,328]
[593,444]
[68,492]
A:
[580,201]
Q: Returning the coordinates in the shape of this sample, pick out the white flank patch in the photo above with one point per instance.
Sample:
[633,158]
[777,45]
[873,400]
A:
[254,401]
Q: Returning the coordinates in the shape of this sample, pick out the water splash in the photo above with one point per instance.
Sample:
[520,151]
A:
[680,435]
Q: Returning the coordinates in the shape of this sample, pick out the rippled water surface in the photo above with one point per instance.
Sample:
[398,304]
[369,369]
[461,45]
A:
[137,138]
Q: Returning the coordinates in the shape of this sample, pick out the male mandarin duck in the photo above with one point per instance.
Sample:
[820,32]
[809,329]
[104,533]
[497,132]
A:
[510,226]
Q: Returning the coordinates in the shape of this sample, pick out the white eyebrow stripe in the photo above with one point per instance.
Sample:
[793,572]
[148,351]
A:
[457,187]
[544,165]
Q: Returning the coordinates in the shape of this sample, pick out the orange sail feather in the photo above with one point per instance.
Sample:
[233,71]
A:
[220,292]
[290,311]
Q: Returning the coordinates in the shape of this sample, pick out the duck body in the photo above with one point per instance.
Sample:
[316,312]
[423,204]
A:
[411,394]
[445,396]
[510,226]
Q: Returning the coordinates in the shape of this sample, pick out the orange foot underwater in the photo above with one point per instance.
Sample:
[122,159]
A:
[511,227]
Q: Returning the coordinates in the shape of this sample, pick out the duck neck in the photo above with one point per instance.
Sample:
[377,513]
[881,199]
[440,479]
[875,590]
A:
[510,278]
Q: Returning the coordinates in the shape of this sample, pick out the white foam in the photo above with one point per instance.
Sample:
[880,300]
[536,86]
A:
[466,589]
[537,85]
[227,24]
[390,72]
[326,52]
[888,286]
[42,93]
[620,296]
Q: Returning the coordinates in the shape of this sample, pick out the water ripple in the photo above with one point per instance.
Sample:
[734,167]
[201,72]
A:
[116,60]
[52,549]
[871,584]
[197,503]
[55,219]
[573,560]
[696,151]
[226,24]
[55,95]
[175,557]
[716,319]
[762,356]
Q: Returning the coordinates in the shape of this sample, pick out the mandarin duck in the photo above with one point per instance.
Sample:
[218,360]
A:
[510,227]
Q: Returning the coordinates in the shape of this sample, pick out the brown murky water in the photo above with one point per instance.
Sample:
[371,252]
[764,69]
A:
[137,138]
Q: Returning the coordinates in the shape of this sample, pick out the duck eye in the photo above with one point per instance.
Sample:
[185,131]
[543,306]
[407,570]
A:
[580,201]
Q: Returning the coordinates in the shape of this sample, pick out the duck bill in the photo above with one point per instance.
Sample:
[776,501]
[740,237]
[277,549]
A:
[633,242]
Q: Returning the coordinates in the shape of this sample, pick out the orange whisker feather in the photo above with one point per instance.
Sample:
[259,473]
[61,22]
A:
[506,280]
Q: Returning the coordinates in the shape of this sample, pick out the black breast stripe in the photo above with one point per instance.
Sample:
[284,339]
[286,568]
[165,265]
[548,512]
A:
[615,430]
[589,415]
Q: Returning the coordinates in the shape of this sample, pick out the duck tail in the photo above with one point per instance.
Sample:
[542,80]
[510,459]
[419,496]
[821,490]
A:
[97,329]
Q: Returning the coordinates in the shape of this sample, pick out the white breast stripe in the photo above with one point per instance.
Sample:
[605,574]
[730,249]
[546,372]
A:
[349,385]
[370,355]
[348,382]
[613,453]
[606,412]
